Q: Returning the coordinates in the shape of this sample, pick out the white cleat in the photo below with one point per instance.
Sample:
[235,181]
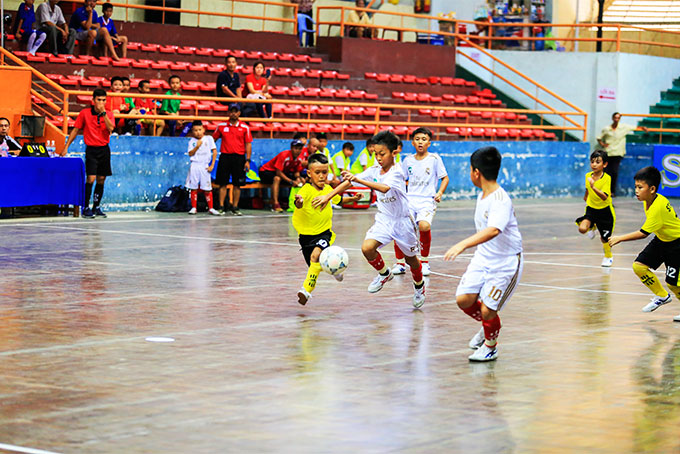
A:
[484,353]
[398,268]
[214,212]
[377,283]
[591,233]
[303,296]
[607,262]
[192,211]
[339,277]
[419,296]
[656,303]
[676,318]
[426,268]
[477,340]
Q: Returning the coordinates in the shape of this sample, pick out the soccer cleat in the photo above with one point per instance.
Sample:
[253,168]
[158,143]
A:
[236,212]
[303,296]
[607,262]
[398,268]
[221,211]
[277,208]
[192,211]
[419,296]
[656,303]
[87,213]
[377,283]
[99,213]
[477,340]
[591,233]
[426,268]
[484,353]
[339,277]
[214,212]
[676,318]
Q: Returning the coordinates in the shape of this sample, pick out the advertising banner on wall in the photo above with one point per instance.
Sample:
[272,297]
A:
[667,160]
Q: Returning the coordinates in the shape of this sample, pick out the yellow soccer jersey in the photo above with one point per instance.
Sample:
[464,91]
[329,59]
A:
[309,220]
[661,220]
[604,184]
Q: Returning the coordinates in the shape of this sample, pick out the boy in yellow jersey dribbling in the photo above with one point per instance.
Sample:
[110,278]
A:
[664,248]
[314,224]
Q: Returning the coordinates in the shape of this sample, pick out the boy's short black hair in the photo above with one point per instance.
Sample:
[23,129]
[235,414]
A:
[234,106]
[488,161]
[348,146]
[600,154]
[386,138]
[615,114]
[421,130]
[299,135]
[649,175]
[229,56]
[116,78]
[142,82]
[401,143]
[196,123]
[97,92]
[321,136]
[319,158]
[124,78]
[174,76]
[6,119]
[106,6]
[370,141]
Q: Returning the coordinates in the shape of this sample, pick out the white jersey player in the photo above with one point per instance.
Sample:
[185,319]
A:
[496,267]
[427,181]
[202,154]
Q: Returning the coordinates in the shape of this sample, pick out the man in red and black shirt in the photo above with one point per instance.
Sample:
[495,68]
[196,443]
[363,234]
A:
[96,124]
[235,151]
[284,167]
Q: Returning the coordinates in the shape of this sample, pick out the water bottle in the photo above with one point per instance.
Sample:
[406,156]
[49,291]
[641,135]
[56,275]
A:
[51,148]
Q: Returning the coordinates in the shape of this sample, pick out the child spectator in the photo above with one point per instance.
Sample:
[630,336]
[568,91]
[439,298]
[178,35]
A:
[171,107]
[496,267]
[393,221]
[366,158]
[257,87]
[341,159]
[599,208]
[117,104]
[284,167]
[313,224]
[106,22]
[322,137]
[301,136]
[202,152]
[85,22]
[145,106]
[423,171]
[664,247]
[23,28]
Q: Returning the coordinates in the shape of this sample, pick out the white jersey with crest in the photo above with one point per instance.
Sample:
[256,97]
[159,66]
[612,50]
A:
[496,210]
[392,204]
[204,154]
[424,175]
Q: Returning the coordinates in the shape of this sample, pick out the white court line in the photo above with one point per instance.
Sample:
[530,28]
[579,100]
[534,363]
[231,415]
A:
[13,448]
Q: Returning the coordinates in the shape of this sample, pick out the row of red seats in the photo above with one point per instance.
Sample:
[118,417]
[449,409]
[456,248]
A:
[502,133]
[222,53]
[328,128]
[411,79]
[467,100]
[322,93]
[493,116]
[292,109]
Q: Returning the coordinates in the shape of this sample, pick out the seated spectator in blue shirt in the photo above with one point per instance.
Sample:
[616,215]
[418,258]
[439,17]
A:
[228,83]
[86,23]
[23,28]
[105,21]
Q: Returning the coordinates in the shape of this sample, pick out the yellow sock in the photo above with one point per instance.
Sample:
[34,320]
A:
[675,290]
[312,274]
[649,279]
[607,250]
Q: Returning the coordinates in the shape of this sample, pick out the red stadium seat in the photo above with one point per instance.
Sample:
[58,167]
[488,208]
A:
[313,73]
[446,81]
[435,99]
[301,58]
[434,80]
[398,94]
[513,133]
[327,93]
[370,96]
[278,90]
[298,72]
[341,76]
[550,136]
[57,59]
[315,60]
[205,51]
[410,97]
[423,97]
[502,133]
[398,78]
[409,79]
[281,71]
[370,75]
[342,93]
[357,94]
[311,93]
[161,64]
[383,78]
[477,132]
[268,56]
[168,49]
[329,74]
[526,134]
[285,57]
[421,80]
[453,130]
[149,47]
[253,55]
[458,82]
[489,133]
[215,68]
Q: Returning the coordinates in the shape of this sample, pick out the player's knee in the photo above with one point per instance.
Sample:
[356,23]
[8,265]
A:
[583,228]
[640,269]
[424,226]
[92,34]
[488,314]
[464,301]
[367,249]
[316,253]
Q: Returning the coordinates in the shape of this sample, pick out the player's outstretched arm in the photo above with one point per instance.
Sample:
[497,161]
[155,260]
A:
[299,201]
[638,235]
[380,187]
[322,200]
[480,237]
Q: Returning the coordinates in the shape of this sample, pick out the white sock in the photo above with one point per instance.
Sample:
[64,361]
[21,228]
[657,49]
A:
[38,42]
[31,40]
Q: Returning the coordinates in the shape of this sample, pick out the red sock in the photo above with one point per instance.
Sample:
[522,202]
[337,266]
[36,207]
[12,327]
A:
[398,253]
[474,311]
[194,198]
[417,273]
[491,329]
[208,199]
[378,263]
[425,241]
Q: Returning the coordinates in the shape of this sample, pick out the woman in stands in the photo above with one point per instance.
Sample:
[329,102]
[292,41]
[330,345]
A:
[360,18]
[257,87]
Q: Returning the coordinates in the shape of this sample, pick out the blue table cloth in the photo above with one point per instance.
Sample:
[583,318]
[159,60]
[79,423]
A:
[41,181]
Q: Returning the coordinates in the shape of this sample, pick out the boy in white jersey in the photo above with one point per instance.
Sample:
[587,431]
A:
[393,221]
[496,267]
[423,172]
[203,152]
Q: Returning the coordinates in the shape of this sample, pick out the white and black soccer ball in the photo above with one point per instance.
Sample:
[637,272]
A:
[334,260]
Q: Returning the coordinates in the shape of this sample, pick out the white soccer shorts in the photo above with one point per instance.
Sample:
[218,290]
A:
[423,209]
[495,282]
[403,231]
[198,177]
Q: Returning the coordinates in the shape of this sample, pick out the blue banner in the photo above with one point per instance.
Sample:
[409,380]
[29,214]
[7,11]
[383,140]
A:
[667,160]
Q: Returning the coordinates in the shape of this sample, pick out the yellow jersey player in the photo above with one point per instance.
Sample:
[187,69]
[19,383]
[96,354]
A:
[664,248]
[599,209]
[314,224]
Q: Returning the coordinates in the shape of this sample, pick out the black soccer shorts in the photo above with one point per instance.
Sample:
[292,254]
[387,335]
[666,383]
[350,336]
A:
[667,252]
[309,242]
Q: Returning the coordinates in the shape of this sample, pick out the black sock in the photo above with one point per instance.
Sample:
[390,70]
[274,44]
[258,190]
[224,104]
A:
[419,286]
[387,272]
[98,193]
[88,193]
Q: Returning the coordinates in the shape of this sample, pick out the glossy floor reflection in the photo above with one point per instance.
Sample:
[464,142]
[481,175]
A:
[581,368]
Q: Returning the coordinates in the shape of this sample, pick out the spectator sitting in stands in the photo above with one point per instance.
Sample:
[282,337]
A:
[8,146]
[284,167]
[365,159]
[257,87]
[23,28]
[145,106]
[301,136]
[360,17]
[228,82]
[106,22]
[60,38]
[118,104]
[88,31]
[171,108]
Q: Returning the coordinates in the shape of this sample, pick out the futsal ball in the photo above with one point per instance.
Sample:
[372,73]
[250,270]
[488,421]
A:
[334,260]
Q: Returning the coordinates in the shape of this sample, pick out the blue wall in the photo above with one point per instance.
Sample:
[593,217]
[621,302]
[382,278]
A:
[144,167]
